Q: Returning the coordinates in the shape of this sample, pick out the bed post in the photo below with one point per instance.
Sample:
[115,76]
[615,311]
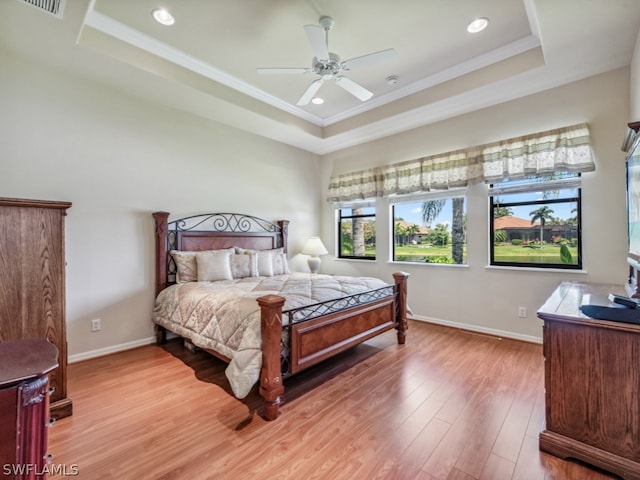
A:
[271,386]
[161,249]
[161,232]
[284,233]
[401,305]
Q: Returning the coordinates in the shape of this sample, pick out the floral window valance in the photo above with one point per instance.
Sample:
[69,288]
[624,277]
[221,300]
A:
[561,150]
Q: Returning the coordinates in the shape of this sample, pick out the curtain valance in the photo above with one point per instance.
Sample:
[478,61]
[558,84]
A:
[560,150]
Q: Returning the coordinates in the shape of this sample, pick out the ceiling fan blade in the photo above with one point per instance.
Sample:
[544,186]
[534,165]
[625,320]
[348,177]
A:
[369,59]
[277,71]
[318,41]
[354,89]
[310,92]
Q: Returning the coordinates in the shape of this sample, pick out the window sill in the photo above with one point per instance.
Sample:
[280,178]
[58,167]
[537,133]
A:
[365,260]
[534,269]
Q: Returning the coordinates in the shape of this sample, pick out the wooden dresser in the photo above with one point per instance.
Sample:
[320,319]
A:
[24,407]
[592,383]
[32,284]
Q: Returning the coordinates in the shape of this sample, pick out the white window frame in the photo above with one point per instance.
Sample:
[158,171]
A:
[423,197]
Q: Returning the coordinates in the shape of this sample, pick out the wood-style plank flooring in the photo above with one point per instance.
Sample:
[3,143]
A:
[447,405]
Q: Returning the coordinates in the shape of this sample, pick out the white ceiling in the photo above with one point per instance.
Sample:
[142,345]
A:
[206,62]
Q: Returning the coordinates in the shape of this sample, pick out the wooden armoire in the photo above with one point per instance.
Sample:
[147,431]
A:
[32,282]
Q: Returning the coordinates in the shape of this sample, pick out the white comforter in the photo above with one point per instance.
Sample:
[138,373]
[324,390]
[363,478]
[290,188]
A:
[224,316]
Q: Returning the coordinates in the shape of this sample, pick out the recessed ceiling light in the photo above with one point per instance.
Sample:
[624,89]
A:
[477,25]
[163,16]
[317,101]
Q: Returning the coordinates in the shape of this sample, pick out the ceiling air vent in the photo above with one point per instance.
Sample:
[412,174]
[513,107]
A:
[54,7]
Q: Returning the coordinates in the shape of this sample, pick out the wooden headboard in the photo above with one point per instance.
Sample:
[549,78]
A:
[211,231]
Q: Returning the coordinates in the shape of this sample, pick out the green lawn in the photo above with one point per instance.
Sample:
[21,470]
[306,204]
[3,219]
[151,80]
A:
[503,253]
[518,253]
[416,253]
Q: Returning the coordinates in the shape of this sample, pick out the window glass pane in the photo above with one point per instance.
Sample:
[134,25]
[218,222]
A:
[538,228]
[357,233]
[430,231]
[527,197]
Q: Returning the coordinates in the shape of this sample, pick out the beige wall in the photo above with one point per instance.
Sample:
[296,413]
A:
[635,83]
[487,299]
[118,159]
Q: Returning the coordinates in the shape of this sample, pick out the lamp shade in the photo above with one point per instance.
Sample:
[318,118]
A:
[314,247]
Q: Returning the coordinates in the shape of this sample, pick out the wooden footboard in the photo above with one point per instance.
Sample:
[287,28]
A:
[323,337]
[312,340]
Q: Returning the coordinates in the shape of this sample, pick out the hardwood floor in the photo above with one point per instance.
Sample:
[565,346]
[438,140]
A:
[447,405]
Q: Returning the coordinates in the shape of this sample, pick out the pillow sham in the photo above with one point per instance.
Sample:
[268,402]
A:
[214,265]
[186,265]
[186,269]
[270,262]
[245,265]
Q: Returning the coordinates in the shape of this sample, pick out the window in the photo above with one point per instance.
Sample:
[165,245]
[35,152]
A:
[535,222]
[430,229]
[357,232]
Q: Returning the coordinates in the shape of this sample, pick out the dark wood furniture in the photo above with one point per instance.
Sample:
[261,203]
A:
[32,285]
[24,406]
[631,146]
[310,341]
[592,383]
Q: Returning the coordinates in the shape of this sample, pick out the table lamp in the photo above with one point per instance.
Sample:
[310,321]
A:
[315,248]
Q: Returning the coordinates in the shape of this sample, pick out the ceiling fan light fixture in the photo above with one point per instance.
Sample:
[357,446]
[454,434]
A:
[477,25]
[163,16]
[328,65]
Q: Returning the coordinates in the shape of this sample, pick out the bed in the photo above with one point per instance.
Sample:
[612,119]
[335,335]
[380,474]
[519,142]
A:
[285,321]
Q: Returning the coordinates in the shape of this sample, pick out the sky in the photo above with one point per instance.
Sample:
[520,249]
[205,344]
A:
[412,212]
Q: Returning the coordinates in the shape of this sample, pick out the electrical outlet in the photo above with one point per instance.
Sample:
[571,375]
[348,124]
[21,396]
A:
[95,325]
[522,312]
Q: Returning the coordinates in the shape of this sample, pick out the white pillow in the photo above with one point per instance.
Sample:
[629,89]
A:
[265,263]
[214,265]
[280,264]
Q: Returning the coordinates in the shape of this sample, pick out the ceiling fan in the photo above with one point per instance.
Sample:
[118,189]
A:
[328,64]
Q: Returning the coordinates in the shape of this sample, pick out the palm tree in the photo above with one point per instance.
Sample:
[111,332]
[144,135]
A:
[411,231]
[358,233]
[543,214]
[499,212]
[400,233]
[430,211]
[457,229]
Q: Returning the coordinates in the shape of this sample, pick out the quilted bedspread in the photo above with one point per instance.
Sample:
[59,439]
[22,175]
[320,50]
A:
[223,316]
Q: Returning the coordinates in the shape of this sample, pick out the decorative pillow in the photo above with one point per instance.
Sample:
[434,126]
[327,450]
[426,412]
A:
[214,265]
[186,265]
[269,261]
[186,269]
[245,265]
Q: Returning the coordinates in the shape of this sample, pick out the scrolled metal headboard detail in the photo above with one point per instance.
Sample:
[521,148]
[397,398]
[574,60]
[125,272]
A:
[223,222]
[211,231]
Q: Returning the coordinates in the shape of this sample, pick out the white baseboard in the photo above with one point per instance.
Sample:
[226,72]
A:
[479,329]
[78,357]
